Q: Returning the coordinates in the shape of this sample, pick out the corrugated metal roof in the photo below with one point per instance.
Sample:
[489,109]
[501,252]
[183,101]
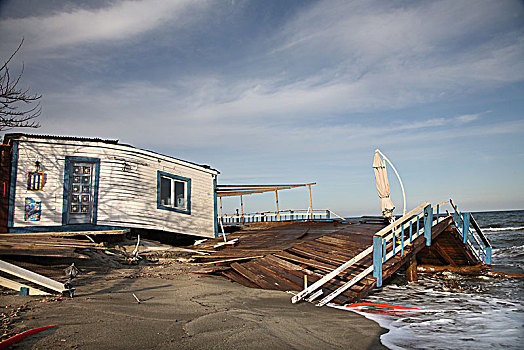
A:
[14,136]
[53,137]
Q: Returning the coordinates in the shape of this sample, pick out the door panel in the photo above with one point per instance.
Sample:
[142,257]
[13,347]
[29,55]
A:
[80,194]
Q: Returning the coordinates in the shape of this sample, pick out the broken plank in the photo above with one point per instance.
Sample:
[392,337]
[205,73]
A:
[286,280]
[254,276]
[232,259]
[238,278]
[310,262]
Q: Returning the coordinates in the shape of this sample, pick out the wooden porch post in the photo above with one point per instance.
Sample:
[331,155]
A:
[278,211]
[411,272]
[310,201]
[221,208]
[242,208]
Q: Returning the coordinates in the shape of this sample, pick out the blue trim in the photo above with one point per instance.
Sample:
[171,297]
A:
[65,228]
[377,259]
[465,228]
[428,223]
[68,160]
[12,185]
[176,177]
[488,255]
[215,210]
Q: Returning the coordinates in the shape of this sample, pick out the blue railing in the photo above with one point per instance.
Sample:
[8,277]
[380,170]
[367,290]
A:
[474,238]
[393,238]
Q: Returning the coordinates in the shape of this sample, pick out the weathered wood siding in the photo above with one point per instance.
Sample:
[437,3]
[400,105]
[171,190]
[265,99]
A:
[125,198]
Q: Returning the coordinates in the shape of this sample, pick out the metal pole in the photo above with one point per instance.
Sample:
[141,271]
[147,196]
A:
[310,201]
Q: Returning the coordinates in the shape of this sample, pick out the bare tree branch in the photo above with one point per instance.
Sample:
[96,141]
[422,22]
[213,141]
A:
[15,109]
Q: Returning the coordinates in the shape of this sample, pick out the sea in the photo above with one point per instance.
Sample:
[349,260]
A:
[461,312]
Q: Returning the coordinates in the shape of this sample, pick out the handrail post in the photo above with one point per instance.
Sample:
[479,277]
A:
[328,216]
[377,259]
[438,212]
[488,255]
[402,241]
[465,227]
[428,222]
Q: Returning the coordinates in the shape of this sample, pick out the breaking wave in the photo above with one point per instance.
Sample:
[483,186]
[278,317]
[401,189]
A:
[497,229]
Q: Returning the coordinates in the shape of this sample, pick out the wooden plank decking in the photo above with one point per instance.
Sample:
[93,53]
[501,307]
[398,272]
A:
[280,255]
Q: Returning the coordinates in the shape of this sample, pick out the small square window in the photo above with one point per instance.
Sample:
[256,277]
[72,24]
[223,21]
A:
[85,189]
[85,198]
[76,188]
[75,208]
[77,179]
[174,192]
[85,208]
[87,170]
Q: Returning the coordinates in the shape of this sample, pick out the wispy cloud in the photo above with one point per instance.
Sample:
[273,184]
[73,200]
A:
[119,21]
[467,118]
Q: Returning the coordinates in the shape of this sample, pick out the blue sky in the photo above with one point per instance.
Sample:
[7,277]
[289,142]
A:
[292,91]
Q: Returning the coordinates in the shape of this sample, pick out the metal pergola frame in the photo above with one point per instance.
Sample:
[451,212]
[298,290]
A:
[244,190]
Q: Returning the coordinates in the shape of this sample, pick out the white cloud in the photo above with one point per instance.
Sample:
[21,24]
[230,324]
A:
[123,20]
[467,118]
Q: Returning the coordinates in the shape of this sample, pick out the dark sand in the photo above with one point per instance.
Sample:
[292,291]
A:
[181,310]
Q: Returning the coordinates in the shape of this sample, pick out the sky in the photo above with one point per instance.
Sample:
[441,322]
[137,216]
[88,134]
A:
[292,91]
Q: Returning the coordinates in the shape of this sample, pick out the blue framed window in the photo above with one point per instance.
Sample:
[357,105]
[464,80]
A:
[173,192]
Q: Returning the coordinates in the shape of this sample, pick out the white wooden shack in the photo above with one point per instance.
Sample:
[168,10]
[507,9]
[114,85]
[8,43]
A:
[76,184]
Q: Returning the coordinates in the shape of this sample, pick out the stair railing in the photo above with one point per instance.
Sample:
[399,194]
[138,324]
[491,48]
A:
[393,238]
[474,239]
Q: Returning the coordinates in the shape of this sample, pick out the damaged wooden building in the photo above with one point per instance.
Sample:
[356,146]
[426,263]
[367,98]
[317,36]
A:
[57,183]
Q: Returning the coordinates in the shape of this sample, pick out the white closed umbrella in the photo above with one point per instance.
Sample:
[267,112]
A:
[381,177]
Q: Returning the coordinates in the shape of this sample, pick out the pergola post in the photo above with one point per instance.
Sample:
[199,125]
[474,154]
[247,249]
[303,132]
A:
[242,208]
[276,201]
[310,201]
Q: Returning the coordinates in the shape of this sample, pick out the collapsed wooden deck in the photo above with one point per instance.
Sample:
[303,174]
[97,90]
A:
[277,256]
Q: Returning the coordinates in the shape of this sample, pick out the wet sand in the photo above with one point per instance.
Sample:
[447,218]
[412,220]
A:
[181,310]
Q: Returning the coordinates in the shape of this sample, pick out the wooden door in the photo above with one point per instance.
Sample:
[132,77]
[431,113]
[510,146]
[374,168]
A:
[80,195]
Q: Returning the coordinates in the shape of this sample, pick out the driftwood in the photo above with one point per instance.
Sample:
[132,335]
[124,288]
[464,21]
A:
[468,270]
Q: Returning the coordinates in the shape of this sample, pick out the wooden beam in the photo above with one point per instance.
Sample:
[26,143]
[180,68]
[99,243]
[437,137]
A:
[442,252]
[242,207]
[4,282]
[411,271]
[282,185]
[66,233]
[276,200]
[31,277]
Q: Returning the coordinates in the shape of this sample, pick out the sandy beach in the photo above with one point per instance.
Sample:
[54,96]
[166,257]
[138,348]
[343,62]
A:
[181,310]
